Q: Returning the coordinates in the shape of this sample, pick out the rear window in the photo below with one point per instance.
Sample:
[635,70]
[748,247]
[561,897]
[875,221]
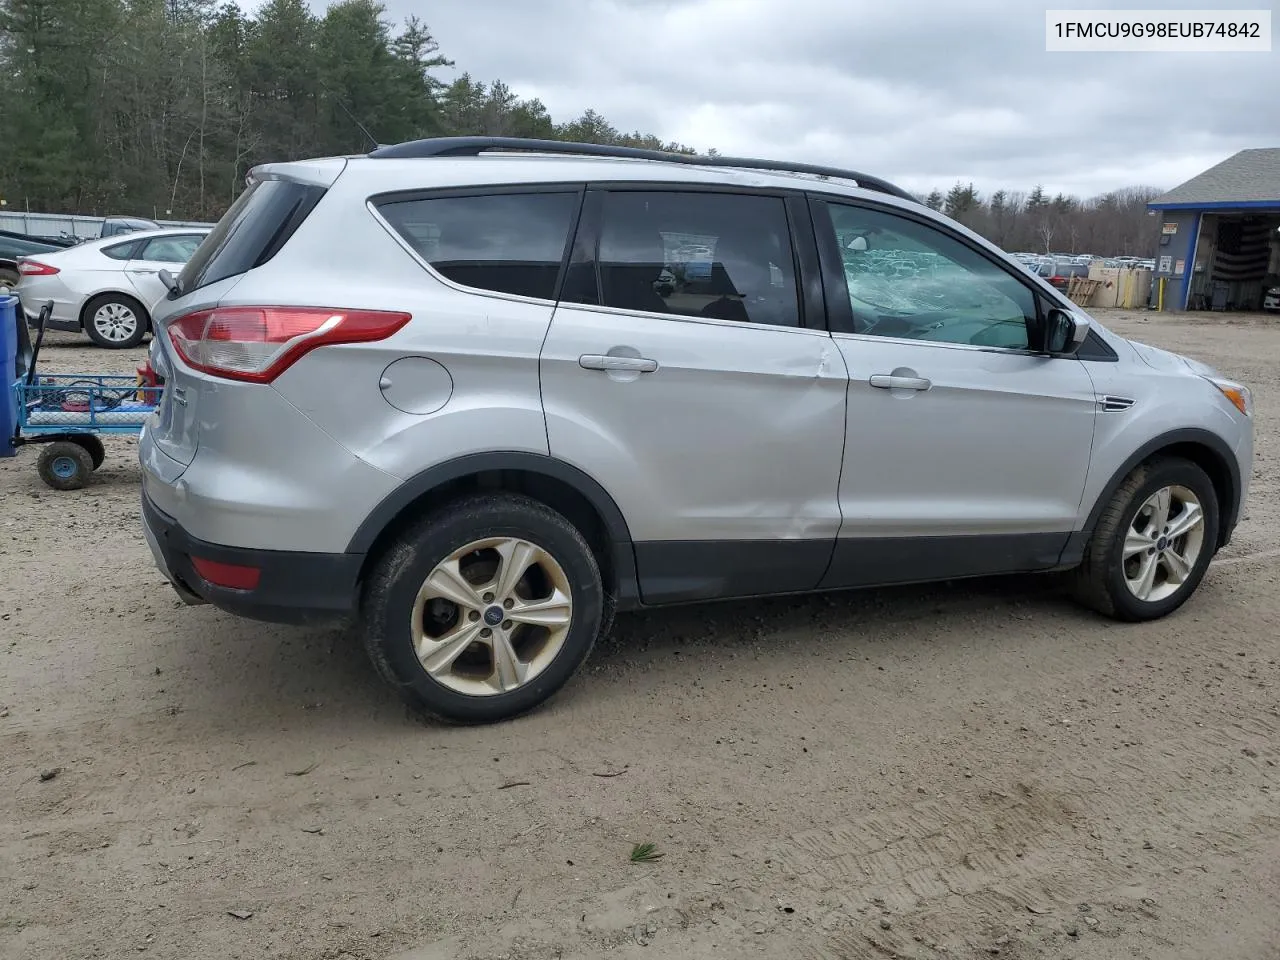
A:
[249,234]
[507,242]
[121,251]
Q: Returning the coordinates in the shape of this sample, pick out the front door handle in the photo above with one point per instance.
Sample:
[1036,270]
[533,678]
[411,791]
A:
[594,361]
[887,381]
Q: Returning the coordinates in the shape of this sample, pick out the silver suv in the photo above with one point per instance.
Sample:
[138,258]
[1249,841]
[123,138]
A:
[480,393]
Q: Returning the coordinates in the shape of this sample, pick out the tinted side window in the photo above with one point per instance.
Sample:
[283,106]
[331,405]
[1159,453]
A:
[720,255]
[909,280]
[251,232]
[120,251]
[506,242]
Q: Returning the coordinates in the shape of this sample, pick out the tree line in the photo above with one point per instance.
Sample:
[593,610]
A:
[159,107]
[1115,224]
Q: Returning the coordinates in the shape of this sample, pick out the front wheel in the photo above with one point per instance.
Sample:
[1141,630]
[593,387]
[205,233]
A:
[1153,542]
[482,610]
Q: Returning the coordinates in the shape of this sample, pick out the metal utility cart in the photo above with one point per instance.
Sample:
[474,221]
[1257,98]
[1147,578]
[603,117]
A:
[65,413]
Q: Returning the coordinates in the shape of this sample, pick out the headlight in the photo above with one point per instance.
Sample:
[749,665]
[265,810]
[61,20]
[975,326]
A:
[1237,393]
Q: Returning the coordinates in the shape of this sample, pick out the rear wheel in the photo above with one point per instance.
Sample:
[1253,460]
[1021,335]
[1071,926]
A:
[9,277]
[115,321]
[1153,542]
[482,610]
[64,465]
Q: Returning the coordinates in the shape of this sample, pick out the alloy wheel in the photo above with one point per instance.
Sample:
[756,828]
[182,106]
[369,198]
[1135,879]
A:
[1163,543]
[115,322]
[492,616]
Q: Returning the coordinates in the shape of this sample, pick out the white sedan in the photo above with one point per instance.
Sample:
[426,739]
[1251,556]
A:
[107,288]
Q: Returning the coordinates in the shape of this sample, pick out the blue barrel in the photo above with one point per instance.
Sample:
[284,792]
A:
[9,373]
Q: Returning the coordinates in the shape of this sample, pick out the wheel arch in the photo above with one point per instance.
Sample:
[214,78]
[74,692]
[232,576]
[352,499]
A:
[1207,450]
[562,487]
[93,298]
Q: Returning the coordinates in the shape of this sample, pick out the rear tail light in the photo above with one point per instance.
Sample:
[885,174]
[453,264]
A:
[257,344]
[34,268]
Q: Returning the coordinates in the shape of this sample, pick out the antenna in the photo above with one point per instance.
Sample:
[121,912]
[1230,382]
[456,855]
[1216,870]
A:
[351,117]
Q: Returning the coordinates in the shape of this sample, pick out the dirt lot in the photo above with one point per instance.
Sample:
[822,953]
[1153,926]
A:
[955,771]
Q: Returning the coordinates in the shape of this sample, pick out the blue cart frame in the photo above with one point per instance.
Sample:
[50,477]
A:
[68,413]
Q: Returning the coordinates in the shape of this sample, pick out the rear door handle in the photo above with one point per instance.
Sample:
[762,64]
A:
[594,361]
[889,382]
[139,270]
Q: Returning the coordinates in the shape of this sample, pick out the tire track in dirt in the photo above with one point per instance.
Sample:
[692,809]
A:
[1010,855]
[949,876]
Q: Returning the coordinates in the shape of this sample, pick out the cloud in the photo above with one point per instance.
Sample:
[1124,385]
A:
[922,92]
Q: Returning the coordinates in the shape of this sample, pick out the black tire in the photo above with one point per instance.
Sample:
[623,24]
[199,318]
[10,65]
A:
[64,465]
[1100,582]
[9,277]
[93,444]
[392,585]
[143,321]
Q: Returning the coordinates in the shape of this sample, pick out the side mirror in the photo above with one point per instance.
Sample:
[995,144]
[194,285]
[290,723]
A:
[858,244]
[1064,332]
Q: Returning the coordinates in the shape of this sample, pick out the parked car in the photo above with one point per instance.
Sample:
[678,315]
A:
[499,431]
[14,245]
[107,288]
[1030,264]
[119,226]
[1271,300]
[1059,272]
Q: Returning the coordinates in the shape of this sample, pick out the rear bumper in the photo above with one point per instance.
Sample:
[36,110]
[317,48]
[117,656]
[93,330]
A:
[36,291]
[294,587]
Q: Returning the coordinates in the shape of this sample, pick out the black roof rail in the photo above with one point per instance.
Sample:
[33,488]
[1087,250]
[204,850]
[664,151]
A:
[474,146]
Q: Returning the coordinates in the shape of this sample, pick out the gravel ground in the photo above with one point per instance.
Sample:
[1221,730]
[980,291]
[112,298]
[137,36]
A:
[952,771]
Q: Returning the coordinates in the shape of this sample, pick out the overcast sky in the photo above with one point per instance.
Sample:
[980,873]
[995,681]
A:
[923,92]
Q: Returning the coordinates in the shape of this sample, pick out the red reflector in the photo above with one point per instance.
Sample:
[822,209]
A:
[33,268]
[229,575]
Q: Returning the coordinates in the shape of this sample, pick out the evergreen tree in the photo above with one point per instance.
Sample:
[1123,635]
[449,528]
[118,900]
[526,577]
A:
[159,107]
[960,200]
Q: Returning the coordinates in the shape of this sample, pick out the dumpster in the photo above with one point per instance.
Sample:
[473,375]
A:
[11,365]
